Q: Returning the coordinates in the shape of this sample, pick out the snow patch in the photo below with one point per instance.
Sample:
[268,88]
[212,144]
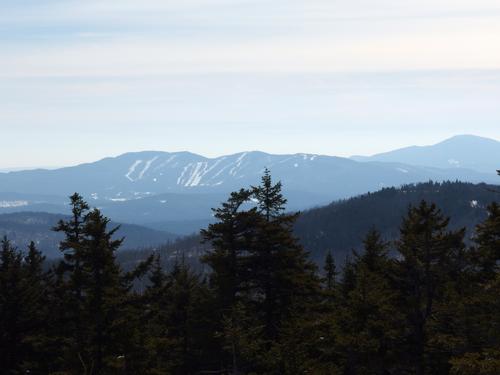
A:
[196,176]
[474,203]
[132,169]
[146,167]
[402,170]
[165,163]
[181,177]
[238,163]
[10,204]
[454,163]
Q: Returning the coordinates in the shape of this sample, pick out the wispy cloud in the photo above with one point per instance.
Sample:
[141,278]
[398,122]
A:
[53,38]
[310,70]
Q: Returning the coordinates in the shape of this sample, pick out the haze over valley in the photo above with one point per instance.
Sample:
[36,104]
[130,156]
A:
[174,193]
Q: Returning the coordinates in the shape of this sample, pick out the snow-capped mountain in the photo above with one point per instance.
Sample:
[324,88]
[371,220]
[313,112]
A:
[160,187]
[142,174]
[462,151]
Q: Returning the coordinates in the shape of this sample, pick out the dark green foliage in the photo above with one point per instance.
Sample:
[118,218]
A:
[426,248]
[481,303]
[367,320]
[424,304]
[259,268]
[23,310]
[330,272]
[342,225]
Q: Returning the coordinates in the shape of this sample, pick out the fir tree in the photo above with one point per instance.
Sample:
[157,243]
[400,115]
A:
[231,238]
[368,321]
[23,311]
[37,283]
[424,249]
[12,317]
[280,273]
[101,289]
[330,272]
[479,298]
[70,275]
[486,253]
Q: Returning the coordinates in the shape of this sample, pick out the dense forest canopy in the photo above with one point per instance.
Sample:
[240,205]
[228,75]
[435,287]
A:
[342,225]
[261,306]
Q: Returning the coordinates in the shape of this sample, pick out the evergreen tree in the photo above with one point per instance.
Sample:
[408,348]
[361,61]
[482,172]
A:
[481,339]
[231,238]
[368,320]
[102,291]
[36,286]
[187,321]
[155,312]
[69,274]
[23,310]
[280,273]
[330,272]
[348,280]
[12,317]
[424,249]
[486,253]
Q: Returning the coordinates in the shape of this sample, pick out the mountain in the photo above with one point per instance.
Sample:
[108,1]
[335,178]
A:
[341,226]
[23,227]
[165,190]
[462,151]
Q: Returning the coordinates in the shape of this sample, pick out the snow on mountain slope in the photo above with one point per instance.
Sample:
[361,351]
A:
[143,174]
[164,188]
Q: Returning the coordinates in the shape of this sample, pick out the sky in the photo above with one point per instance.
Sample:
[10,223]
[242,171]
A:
[82,80]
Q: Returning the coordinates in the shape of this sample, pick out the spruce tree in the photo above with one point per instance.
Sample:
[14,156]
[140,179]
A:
[280,273]
[102,291]
[480,302]
[37,283]
[231,238]
[12,317]
[330,272]
[424,249]
[24,312]
[486,253]
[368,321]
[69,304]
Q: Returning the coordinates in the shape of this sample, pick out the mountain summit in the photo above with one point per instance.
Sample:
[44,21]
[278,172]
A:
[159,188]
[462,151]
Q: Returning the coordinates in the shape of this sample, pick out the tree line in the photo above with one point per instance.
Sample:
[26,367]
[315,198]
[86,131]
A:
[424,304]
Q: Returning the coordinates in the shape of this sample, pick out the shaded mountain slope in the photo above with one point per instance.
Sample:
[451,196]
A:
[36,226]
[342,225]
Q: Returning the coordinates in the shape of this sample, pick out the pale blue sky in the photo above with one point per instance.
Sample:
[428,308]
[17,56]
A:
[81,80]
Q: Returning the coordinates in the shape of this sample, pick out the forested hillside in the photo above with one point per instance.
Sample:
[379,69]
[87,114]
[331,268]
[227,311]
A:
[259,306]
[341,226]
[174,192]
[23,227]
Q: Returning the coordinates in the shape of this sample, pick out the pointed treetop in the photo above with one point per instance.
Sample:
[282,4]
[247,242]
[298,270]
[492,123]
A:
[269,197]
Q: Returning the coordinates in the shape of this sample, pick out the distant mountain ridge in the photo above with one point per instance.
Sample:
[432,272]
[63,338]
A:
[163,189]
[462,151]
